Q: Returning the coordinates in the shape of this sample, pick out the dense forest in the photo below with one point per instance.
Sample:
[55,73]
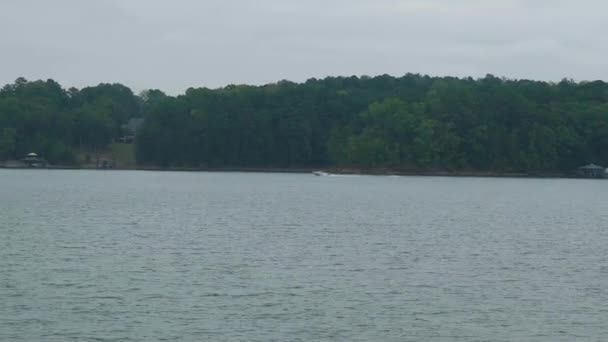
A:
[409,123]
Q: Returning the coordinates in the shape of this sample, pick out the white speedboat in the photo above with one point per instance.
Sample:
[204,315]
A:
[320,173]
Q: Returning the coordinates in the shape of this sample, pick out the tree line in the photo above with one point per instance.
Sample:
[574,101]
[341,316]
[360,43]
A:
[408,123]
[56,123]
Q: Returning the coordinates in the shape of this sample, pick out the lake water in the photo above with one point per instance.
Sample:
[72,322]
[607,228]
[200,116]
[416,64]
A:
[145,256]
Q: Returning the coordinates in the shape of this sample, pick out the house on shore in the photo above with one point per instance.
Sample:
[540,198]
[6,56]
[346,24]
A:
[591,171]
[33,160]
[129,130]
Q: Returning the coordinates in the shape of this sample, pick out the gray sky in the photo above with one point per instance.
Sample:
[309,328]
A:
[173,45]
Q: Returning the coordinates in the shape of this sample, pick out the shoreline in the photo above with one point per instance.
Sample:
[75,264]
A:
[464,174]
[330,171]
[164,169]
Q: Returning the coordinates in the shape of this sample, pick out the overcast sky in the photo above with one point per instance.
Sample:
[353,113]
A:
[173,45]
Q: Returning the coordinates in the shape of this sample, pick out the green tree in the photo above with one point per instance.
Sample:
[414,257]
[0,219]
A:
[7,143]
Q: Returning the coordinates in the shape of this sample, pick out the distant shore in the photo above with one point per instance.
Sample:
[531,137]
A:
[330,171]
[485,174]
[157,168]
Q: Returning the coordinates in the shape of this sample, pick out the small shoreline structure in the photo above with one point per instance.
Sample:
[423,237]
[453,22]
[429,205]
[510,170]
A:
[592,171]
[32,160]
